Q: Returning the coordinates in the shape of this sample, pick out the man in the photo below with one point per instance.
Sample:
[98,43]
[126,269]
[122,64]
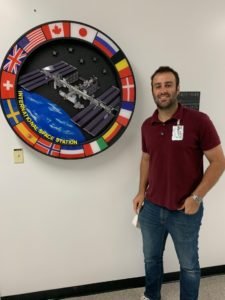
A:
[173,184]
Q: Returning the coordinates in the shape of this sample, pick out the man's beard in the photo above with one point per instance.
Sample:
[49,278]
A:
[171,103]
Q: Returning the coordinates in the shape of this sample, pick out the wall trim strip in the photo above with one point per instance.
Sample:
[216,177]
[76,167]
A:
[104,287]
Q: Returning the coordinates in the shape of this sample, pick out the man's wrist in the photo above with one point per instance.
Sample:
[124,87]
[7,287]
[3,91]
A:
[197,198]
[141,193]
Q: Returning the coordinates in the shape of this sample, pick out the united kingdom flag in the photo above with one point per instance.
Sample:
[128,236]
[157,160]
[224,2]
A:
[14,60]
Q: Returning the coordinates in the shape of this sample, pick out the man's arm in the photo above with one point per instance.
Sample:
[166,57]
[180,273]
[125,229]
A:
[215,169]
[144,170]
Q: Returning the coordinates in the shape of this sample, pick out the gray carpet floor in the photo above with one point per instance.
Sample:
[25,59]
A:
[212,288]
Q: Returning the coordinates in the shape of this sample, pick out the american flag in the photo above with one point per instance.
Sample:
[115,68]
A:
[14,59]
[32,39]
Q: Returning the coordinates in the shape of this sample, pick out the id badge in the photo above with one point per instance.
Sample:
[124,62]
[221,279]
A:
[178,133]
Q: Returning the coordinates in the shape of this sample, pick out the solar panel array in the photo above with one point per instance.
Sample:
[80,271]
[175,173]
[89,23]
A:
[93,119]
[37,78]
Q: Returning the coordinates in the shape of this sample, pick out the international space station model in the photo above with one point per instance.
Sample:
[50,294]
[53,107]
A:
[93,113]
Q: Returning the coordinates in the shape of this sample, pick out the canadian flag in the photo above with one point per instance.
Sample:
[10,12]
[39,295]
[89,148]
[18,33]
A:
[56,30]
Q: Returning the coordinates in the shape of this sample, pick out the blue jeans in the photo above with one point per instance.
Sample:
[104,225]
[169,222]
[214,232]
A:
[156,223]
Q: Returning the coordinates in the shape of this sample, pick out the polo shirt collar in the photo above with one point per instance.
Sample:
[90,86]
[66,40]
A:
[176,116]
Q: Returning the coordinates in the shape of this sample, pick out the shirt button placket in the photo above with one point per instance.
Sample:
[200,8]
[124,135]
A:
[162,133]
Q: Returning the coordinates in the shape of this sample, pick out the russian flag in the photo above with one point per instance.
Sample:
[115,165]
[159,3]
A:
[105,44]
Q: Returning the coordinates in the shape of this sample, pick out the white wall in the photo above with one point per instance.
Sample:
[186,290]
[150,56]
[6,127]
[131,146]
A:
[68,223]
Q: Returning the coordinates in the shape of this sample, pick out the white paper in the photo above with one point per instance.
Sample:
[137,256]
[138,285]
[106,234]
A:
[135,221]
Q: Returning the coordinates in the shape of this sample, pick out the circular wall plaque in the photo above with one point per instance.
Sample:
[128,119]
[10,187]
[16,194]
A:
[67,89]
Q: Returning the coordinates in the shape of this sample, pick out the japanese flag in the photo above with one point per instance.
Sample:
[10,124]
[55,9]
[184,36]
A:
[83,32]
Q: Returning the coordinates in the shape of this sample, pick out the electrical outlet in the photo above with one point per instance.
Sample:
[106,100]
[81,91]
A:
[18,156]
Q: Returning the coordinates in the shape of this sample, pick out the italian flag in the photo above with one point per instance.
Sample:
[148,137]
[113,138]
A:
[95,147]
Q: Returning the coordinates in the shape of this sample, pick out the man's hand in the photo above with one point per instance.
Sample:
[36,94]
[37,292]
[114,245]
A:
[190,206]
[138,202]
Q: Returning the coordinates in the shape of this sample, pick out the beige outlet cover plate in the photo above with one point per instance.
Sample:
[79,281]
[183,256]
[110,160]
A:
[18,156]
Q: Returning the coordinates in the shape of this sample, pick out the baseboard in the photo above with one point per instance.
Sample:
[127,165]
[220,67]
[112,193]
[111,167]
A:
[104,287]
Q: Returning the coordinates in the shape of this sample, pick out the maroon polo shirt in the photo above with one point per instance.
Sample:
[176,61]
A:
[176,166]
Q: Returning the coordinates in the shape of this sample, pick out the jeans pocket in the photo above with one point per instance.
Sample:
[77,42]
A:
[199,210]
